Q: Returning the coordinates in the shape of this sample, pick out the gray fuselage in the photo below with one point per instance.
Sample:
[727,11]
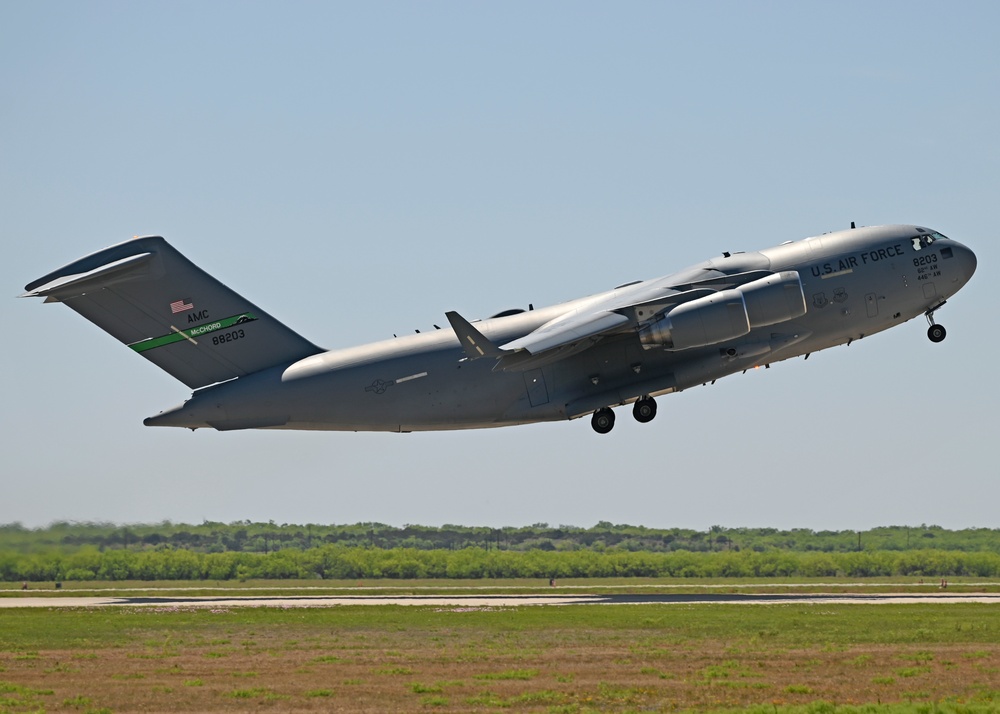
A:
[855,283]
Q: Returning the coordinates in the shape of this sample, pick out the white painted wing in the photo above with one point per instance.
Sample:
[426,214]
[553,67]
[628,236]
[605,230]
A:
[566,330]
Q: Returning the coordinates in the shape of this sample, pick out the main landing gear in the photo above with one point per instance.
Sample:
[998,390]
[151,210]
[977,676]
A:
[643,410]
[603,420]
[936,332]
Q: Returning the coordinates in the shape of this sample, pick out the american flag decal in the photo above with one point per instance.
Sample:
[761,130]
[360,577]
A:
[181,306]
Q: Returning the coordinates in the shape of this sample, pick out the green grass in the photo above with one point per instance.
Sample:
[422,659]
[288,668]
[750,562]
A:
[798,689]
[820,707]
[76,702]
[434,701]
[912,671]
[505,647]
[24,632]
[394,670]
[529,699]
[254,693]
[980,654]
[520,674]
[319,693]
[17,698]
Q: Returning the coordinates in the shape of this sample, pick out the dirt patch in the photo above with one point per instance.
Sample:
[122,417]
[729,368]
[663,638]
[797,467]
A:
[372,670]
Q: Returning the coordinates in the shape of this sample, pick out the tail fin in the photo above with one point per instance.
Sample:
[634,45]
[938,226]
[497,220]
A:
[150,297]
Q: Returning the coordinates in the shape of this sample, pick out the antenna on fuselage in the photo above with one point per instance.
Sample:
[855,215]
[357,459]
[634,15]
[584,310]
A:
[852,225]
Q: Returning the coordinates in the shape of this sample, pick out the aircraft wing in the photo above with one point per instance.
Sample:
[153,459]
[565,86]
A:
[631,307]
[667,313]
[567,329]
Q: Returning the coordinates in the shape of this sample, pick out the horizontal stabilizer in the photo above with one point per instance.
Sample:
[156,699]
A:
[148,296]
[73,285]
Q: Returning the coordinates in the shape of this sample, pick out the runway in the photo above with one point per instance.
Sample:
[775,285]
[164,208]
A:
[494,601]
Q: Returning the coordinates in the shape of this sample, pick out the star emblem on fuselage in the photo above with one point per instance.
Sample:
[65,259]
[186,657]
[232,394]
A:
[379,386]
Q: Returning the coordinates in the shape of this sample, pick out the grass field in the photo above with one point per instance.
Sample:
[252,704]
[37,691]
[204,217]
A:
[784,658]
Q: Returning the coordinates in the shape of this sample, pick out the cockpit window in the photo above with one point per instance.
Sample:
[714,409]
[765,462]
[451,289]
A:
[925,239]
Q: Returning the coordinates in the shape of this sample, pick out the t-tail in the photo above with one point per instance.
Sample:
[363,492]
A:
[150,297]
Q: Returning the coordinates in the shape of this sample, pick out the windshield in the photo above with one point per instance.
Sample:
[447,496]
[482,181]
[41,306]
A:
[925,239]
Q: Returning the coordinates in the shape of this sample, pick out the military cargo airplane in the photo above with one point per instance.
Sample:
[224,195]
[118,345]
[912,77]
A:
[586,356]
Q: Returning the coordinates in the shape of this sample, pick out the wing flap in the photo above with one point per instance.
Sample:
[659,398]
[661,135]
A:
[566,330]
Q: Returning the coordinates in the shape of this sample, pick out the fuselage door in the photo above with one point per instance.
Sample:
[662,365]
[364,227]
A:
[871,304]
[534,382]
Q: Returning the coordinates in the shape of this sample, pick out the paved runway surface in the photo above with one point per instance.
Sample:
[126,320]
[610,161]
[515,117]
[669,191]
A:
[488,601]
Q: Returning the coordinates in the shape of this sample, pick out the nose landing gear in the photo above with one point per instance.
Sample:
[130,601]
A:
[936,332]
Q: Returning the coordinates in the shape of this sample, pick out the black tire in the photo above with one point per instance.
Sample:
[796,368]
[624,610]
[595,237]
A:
[936,333]
[603,420]
[644,409]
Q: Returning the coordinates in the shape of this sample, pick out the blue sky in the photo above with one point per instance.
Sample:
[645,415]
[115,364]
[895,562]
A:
[358,169]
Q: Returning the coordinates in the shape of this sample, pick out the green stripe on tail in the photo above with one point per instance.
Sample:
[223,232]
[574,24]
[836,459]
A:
[193,333]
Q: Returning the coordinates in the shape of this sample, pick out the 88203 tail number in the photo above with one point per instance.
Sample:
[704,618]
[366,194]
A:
[228,337]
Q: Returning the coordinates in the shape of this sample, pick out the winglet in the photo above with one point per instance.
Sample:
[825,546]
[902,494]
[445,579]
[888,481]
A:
[473,342]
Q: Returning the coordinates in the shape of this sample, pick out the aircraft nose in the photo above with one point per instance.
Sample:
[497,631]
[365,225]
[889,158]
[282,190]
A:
[966,261]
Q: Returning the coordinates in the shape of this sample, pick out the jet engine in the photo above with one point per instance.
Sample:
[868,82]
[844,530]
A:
[727,314]
[776,298]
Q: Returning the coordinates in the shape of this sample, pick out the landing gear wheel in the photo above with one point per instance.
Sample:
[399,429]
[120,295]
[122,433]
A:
[603,420]
[935,333]
[644,409]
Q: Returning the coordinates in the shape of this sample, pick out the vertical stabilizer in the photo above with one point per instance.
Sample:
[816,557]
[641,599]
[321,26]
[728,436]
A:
[150,297]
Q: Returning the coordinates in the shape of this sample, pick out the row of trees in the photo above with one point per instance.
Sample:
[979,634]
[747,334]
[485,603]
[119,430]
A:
[341,563]
[247,537]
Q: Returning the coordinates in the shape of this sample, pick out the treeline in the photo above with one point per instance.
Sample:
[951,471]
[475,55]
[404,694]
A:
[334,562]
[247,537]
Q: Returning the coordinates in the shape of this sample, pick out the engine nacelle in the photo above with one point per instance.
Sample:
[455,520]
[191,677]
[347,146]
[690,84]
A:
[776,298]
[705,321]
[728,314]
